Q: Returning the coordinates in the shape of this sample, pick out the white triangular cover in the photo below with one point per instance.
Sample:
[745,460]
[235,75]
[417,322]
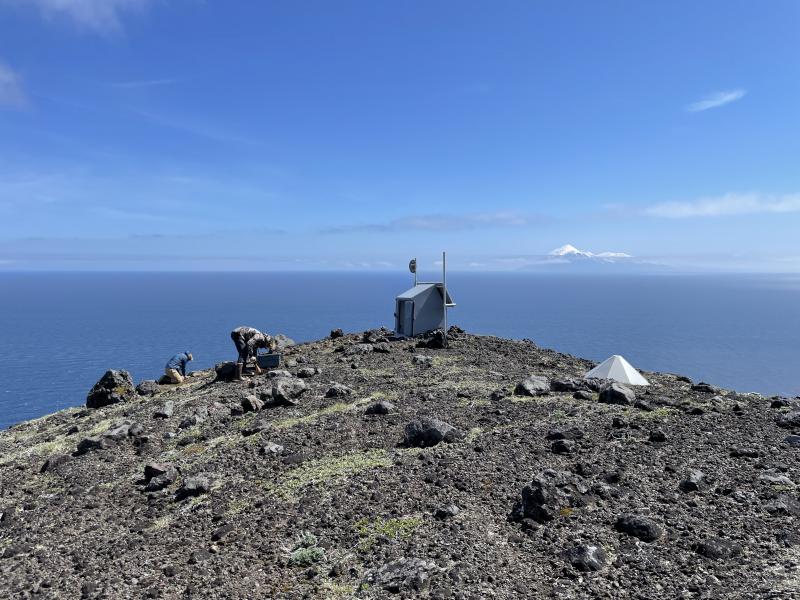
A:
[618,369]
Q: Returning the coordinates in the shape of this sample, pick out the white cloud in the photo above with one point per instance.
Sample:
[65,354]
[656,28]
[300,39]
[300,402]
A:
[100,16]
[716,100]
[727,205]
[11,93]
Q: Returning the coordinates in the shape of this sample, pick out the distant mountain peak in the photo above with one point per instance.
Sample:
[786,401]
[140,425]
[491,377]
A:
[570,250]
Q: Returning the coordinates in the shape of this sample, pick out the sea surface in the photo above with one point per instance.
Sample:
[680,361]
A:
[60,332]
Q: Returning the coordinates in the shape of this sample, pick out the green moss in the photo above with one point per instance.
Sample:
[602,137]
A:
[304,557]
[394,529]
[657,414]
[327,469]
[473,434]
[332,409]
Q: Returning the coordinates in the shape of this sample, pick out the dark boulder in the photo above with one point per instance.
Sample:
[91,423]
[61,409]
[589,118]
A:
[162,480]
[446,512]
[306,372]
[154,469]
[252,404]
[550,494]
[789,420]
[225,371]
[426,431]
[287,389]
[569,384]
[564,433]
[404,575]
[113,387]
[715,548]
[165,411]
[586,557]
[792,440]
[783,505]
[92,443]
[380,408]
[534,385]
[148,387]
[338,390]
[434,339]
[705,388]
[193,486]
[617,393]
[640,527]
[421,359]
[336,333]
[359,350]
[55,461]
[563,447]
[694,482]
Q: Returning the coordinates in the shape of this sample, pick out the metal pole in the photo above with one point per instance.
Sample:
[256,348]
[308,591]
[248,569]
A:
[444,294]
[415,272]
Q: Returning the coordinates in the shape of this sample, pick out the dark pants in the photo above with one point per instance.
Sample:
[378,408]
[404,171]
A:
[241,347]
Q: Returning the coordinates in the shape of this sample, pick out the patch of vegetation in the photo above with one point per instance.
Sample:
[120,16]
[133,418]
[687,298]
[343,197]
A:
[305,551]
[400,528]
[161,523]
[335,590]
[660,413]
[327,469]
[338,407]
[473,434]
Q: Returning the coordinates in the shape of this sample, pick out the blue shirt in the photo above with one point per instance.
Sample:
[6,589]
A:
[178,362]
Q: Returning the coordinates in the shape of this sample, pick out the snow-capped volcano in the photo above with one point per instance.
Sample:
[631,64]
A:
[570,259]
[569,250]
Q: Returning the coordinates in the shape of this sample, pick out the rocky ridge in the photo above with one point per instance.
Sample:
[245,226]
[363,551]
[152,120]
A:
[370,468]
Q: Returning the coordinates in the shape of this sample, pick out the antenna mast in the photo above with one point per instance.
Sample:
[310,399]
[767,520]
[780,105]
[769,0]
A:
[444,294]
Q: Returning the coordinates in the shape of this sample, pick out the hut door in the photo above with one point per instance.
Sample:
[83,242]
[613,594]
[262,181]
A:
[407,317]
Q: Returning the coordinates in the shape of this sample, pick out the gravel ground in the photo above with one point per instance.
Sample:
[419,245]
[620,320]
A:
[375,468]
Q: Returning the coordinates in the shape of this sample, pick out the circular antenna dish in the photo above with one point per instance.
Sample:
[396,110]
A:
[412,265]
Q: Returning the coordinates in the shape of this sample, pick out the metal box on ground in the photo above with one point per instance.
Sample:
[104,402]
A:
[269,361]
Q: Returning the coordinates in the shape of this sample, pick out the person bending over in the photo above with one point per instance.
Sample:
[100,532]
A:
[247,341]
[175,370]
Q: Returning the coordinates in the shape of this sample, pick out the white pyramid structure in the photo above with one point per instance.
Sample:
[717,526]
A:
[618,369]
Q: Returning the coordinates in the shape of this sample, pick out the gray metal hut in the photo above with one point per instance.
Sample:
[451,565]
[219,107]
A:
[421,309]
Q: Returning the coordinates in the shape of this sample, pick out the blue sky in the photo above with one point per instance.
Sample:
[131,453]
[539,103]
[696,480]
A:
[189,134]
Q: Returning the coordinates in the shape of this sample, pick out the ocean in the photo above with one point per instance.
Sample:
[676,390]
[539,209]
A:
[59,332]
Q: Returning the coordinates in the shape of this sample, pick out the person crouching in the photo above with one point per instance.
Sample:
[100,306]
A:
[247,341]
[175,369]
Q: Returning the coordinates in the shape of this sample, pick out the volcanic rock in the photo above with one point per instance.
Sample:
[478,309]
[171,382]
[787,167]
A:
[409,575]
[338,390]
[381,407]
[550,493]
[427,431]
[287,389]
[587,557]
[113,387]
[640,527]
[193,486]
[789,420]
[148,387]
[165,412]
[533,385]
[716,548]
[617,393]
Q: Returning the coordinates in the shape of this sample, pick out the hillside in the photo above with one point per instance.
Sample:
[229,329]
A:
[313,483]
